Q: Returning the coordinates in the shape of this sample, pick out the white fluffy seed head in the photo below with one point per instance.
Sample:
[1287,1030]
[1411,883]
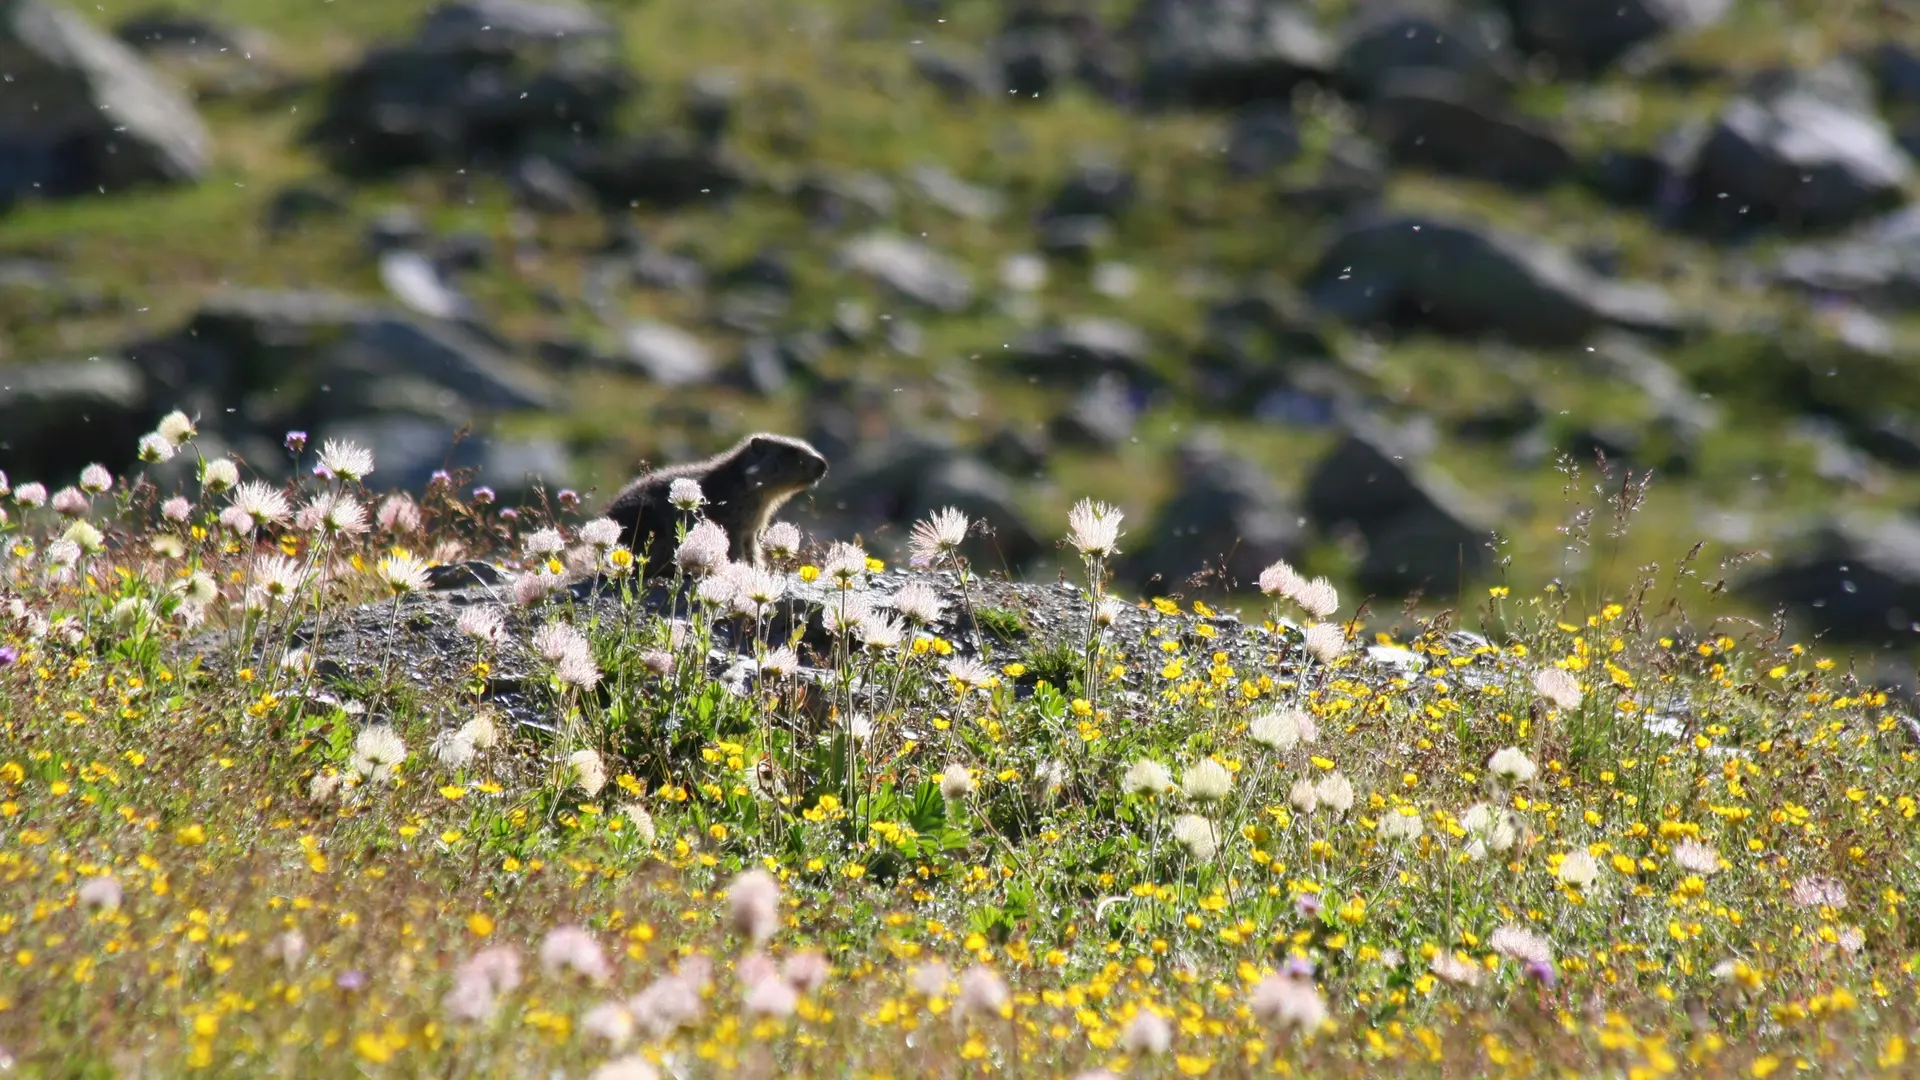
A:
[753,906]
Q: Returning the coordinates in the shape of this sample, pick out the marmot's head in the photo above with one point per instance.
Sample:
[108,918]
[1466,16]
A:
[780,463]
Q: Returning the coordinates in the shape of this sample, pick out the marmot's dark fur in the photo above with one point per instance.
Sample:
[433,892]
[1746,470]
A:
[743,488]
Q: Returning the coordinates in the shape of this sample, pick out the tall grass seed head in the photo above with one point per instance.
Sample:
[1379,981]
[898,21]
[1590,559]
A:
[1286,1003]
[703,550]
[154,448]
[600,533]
[1511,765]
[588,771]
[401,573]
[1402,823]
[956,782]
[1146,777]
[1558,687]
[918,603]
[983,993]
[95,479]
[1335,792]
[1280,580]
[937,536]
[1325,642]
[70,502]
[1198,836]
[781,541]
[343,459]
[641,821]
[377,752]
[1280,730]
[1578,869]
[685,495]
[1093,528]
[572,950]
[1206,781]
[753,906]
[1148,1034]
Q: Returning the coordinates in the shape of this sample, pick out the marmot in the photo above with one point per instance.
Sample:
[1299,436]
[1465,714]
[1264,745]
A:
[743,488]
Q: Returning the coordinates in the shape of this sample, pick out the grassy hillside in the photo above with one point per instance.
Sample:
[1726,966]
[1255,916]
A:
[249,828]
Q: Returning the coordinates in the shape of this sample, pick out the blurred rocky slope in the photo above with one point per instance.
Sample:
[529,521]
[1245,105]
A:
[1350,283]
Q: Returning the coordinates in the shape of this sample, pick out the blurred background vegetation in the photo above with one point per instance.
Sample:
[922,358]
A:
[1360,283]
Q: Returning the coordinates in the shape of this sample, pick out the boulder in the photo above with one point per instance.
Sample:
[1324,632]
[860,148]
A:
[1228,516]
[56,416]
[480,82]
[667,354]
[1422,531]
[1100,417]
[959,77]
[1387,40]
[417,283]
[1876,264]
[1262,137]
[285,354]
[1079,350]
[1465,279]
[82,113]
[956,196]
[1094,188]
[1801,149]
[1432,119]
[1854,578]
[896,480]
[1253,343]
[911,269]
[1227,52]
[1586,36]
[664,169]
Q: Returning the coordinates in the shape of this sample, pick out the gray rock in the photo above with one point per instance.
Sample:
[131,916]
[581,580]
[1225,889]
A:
[911,269]
[1227,52]
[1803,150]
[960,78]
[1263,137]
[413,279]
[660,169]
[511,24]
[1101,416]
[1095,188]
[667,354]
[1422,531]
[896,480]
[1386,40]
[166,30]
[1431,118]
[1007,539]
[1079,350]
[840,197]
[956,196]
[1227,517]
[289,347]
[709,101]
[1854,578]
[57,416]
[1255,345]
[1586,36]
[481,81]
[83,113]
[1878,263]
[1464,279]
[540,185]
